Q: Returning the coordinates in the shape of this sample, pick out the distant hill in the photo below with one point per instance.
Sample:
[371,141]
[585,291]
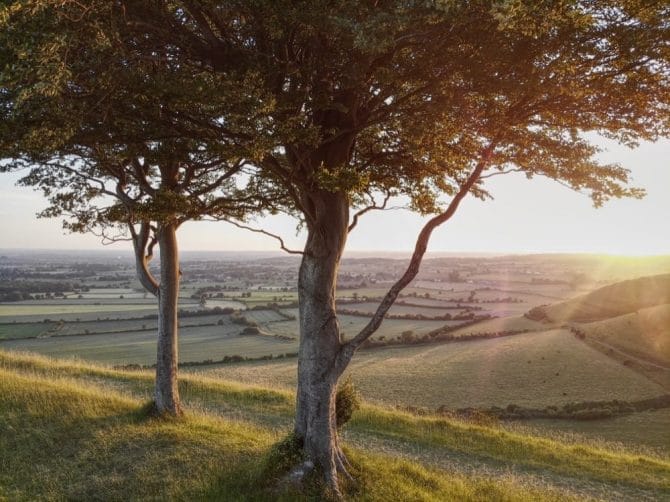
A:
[610,301]
[645,333]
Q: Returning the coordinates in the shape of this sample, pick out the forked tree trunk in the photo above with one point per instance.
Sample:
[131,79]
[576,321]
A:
[320,338]
[166,394]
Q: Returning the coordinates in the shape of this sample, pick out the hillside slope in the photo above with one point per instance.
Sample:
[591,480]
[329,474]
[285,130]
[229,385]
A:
[610,301]
[76,431]
[644,334]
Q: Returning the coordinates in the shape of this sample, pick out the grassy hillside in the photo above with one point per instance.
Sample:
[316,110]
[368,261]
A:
[530,369]
[70,430]
[644,334]
[613,300]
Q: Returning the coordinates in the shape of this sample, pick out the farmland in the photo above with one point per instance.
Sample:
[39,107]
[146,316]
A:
[458,337]
[527,369]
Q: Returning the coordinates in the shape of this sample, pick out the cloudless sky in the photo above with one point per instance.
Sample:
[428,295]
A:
[535,215]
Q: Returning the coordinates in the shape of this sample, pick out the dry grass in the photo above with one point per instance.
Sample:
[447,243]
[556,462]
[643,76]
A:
[644,334]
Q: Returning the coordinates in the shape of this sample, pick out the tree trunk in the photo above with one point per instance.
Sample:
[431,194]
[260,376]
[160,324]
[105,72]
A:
[166,393]
[320,339]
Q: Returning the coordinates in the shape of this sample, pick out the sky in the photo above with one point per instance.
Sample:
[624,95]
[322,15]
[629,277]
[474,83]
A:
[526,216]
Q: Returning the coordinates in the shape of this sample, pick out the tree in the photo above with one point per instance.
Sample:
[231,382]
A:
[108,137]
[422,99]
[362,101]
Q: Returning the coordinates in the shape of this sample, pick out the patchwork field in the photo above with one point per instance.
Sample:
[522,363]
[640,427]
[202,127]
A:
[540,361]
[197,343]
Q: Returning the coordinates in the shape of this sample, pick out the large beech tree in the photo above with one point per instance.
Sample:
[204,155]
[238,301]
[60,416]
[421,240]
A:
[123,145]
[422,99]
[425,99]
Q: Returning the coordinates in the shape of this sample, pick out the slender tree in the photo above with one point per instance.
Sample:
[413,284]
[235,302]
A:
[423,99]
[123,145]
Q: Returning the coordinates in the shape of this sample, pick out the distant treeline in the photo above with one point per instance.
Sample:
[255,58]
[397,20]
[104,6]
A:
[416,317]
[225,360]
[409,338]
[18,290]
[584,410]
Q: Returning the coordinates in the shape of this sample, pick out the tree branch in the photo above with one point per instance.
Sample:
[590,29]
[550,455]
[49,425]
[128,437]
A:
[264,232]
[143,245]
[371,207]
[348,349]
[498,173]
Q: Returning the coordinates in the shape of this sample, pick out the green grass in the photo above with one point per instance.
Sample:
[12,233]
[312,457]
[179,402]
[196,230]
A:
[13,330]
[110,400]
[11,311]
[73,438]
[139,347]
[532,369]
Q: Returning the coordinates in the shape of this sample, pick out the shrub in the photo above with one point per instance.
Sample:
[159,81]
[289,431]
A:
[407,336]
[347,401]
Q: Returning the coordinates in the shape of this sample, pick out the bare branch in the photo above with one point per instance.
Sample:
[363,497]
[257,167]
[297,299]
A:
[269,234]
[498,173]
[371,207]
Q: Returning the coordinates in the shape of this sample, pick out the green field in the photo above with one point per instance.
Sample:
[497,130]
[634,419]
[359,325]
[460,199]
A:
[139,347]
[12,312]
[133,341]
[75,431]
[644,334]
[647,430]
[533,369]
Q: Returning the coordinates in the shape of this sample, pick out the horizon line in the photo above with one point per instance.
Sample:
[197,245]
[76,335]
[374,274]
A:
[353,251]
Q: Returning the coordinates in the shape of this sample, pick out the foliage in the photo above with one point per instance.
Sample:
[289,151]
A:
[113,136]
[347,402]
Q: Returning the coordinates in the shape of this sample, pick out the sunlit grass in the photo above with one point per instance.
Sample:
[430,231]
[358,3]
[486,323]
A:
[89,397]
[64,438]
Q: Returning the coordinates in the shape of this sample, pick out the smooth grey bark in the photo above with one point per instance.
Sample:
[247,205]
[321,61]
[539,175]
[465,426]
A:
[166,393]
[323,354]
[320,337]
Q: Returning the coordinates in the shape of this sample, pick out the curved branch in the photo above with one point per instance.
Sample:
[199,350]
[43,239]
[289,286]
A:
[264,232]
[348,349]
[143,245]
[371,207]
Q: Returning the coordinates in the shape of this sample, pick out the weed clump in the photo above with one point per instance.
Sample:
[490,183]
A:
[347,402]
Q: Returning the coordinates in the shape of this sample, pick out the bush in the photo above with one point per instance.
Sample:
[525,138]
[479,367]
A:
[347,401]
[407,336]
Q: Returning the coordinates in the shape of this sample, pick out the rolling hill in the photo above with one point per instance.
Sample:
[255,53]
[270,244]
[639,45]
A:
[643,334]
[610,301]
[71,430]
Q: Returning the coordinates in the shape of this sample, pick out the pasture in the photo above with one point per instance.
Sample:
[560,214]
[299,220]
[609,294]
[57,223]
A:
[644,334]
[531,369]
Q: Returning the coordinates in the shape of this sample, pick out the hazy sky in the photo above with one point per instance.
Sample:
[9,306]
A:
[526,216]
